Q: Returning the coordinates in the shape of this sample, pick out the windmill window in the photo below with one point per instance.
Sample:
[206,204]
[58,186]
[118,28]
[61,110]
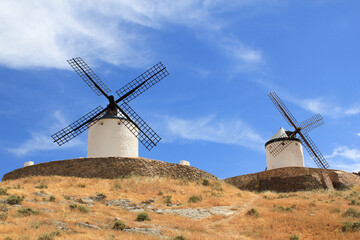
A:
[101,123]
[119,123]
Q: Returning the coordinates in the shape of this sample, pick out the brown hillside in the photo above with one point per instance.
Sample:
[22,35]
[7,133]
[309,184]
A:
[222,211]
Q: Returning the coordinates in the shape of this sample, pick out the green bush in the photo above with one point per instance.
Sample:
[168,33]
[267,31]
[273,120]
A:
[294,237]
[27,212]
[3,191]
[336,210]
[168,200]
[195,198]
[42,185]
[101,196]
[143,217]
[205,182]
[117,186]
[350,227]
[180,237]
[81,185]
[253,212]
[72,205]
[161,193]
[3,216]
[14,199]
[83,209]
[49,236]
[350,212]
[119,225]
[52,198]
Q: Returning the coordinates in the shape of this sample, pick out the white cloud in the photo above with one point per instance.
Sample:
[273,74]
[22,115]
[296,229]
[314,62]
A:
[345,158]
[325,106]
[245,57]
[40,141]
[214,130]
[45,33]
[358,134]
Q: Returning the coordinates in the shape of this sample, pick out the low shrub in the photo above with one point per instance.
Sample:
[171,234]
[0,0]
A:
[42,185]
[161,193]
[3,191]
[3,216]
[119,225]
[27,212]
[49,236]
[52,198]
[168,200]
[335,210]
[14,199]
[83,209]
[180,237]
[195,199]
[253,212]
[294,237]
[72,206]
[205,182]
[350,212]
[81,185]
[143,217]
[101,196]
[350,227]
[117,186]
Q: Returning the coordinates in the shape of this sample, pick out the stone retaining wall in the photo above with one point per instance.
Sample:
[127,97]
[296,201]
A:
[291,179]
[109,167]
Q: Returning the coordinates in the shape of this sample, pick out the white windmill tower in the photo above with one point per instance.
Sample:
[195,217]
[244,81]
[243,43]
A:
[114,131]
[284,149]
[291,156]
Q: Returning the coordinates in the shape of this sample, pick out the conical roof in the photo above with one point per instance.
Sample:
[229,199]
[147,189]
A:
[279,134]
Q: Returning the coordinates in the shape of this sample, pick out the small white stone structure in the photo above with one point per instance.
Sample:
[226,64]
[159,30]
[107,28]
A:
[291,156]
[109,137]
[29,163]
[183,162]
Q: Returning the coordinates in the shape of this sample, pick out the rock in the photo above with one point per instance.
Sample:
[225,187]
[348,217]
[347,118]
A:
[86,200]
[41,194]
[221,210]
[4,209]
[98,198]
[61,225]
[189,212]
[152,231]
[87,225]
[152,200]
[126,204]
[47,210]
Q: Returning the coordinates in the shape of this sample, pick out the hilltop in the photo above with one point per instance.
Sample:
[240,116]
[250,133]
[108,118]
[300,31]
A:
[57,207]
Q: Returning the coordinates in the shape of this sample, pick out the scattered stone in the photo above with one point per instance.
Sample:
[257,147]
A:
[61,225]
[4,209]
[43,203]
[148,202]
[190,212]
[41,194]
[87,225]
[222,210]
[47,210]
[126,204]
[17,205]
[86,200]
[152,231]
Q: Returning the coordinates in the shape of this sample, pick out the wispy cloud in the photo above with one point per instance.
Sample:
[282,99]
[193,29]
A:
[326,107]
[41,140]
[44,33]
[212,129]
[345,158]
[245,57]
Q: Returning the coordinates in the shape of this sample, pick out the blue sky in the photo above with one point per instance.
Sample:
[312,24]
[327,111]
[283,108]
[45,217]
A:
[223,58]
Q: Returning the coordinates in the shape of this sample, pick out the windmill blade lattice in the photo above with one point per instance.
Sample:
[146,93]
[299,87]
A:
[278,147]
[142,83]
[311,123]
[79,126]
[87,74]
[142,131]
[282,109]
[313,151]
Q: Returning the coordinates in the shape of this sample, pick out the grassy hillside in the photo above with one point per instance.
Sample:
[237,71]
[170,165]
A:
[77,208]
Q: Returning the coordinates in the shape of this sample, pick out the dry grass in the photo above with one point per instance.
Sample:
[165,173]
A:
[309,215]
